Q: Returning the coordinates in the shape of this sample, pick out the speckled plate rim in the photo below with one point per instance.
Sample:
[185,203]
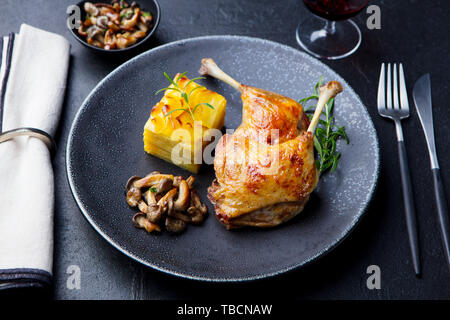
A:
[133,256]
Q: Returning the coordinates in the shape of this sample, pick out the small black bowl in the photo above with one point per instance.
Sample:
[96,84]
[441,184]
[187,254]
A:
[147,5]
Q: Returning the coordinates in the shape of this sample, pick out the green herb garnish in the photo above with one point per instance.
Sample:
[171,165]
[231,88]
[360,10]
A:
[190,110]
[123,4]
[126,15]
[146,14]
[327,133]
[153,189]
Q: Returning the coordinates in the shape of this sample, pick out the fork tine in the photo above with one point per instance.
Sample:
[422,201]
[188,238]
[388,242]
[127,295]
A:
[389,88]
[403,95]
[395,88]
[381,101]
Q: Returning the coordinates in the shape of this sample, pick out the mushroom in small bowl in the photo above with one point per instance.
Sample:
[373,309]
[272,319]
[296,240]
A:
[116,27]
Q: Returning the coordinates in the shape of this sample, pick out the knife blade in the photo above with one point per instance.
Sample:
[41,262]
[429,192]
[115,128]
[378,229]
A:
[422,100]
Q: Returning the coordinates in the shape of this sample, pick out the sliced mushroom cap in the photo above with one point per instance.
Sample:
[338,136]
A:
[195,215]
[152,179]
[142,206]
[131,22]
[140,221]
[134,194]
[112,26]
[102,22]
[106,9]
[150,197]
[133,197]
[177,180]
[125,13]
[100,38]
[139,34]
[91,9]
[142,27]
[154,212]
[167,197]
[146,18]
[137,219]
[131,181]
[195,202]
[190,181]
[164,185]
[174,225]
[170,207]
[123,42]
[93,31]
[114,17]
[183,200]
[110,40]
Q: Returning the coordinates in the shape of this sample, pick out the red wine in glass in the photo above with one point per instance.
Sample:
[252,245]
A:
[329,33]
[335,9]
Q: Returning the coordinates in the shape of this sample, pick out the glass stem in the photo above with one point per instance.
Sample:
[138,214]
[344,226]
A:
[330,27]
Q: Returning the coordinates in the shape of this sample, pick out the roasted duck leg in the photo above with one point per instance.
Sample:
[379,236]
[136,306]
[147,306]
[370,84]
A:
[265,170]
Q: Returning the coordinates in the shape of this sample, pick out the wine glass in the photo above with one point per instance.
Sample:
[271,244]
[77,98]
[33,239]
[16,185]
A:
[329,34]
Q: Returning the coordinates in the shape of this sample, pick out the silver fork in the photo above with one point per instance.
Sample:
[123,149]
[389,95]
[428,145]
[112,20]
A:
[393,104]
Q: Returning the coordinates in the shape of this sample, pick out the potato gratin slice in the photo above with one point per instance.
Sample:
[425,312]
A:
[170,135]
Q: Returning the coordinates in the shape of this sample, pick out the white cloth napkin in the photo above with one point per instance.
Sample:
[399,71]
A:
[33,97]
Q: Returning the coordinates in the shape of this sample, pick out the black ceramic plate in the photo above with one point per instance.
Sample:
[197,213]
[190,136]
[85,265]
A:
[105,148]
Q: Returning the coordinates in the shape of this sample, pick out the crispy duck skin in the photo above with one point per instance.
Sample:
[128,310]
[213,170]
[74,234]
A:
[262,179]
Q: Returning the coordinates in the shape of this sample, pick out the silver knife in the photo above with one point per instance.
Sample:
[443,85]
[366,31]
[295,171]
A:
[422,100]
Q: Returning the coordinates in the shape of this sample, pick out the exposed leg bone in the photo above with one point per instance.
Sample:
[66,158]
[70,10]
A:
[326,92]
[210,68]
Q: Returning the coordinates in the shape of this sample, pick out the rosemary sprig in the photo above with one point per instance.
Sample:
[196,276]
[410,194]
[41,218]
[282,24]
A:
[327,133]
[185,95]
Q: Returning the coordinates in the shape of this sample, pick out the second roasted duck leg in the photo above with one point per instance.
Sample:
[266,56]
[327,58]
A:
[245,192]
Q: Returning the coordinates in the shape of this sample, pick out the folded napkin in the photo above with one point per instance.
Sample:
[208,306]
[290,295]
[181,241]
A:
[34,65]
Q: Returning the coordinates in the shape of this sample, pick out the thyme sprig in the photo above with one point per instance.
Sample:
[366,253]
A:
[327,133]
[185,95]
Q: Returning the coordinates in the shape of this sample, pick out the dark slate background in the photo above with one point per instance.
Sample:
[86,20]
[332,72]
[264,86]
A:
[413,32]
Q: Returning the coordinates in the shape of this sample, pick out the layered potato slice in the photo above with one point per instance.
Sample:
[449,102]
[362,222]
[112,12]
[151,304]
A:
[172,134]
